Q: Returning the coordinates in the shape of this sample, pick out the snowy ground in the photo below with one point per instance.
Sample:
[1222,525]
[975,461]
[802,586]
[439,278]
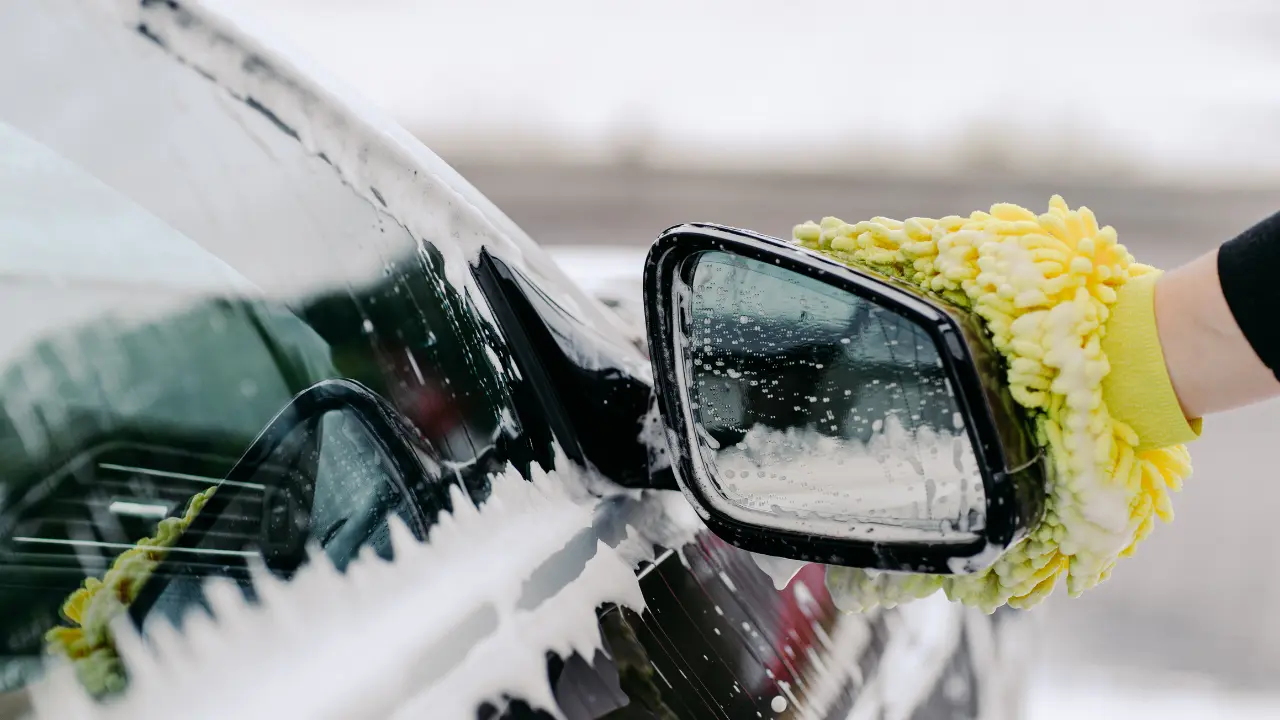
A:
[1067,696]
[1173,88]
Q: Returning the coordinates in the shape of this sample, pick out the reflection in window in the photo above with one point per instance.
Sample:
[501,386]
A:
[144,363]
[138,369]
[327,483]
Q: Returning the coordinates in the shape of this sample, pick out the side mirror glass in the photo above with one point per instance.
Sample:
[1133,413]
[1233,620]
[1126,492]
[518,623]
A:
[817,410]
[825,414]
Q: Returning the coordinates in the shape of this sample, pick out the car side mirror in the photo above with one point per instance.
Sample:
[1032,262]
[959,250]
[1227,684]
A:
[828,414]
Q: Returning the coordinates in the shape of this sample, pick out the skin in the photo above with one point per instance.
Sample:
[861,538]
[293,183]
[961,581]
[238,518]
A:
[1211,364]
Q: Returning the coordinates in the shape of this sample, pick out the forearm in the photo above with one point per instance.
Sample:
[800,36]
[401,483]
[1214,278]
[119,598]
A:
[1218,319]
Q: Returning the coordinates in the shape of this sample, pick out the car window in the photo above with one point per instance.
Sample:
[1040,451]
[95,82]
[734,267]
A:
[328,482]
[144,363]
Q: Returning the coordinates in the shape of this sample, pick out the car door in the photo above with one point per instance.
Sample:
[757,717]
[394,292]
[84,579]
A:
[250,233]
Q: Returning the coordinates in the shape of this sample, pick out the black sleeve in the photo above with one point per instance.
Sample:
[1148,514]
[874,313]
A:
[1249,269]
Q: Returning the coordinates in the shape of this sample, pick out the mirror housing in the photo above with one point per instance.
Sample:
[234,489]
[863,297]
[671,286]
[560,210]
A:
[782,315]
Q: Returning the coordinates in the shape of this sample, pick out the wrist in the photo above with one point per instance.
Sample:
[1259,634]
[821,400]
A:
[1211,364]
[1140,390]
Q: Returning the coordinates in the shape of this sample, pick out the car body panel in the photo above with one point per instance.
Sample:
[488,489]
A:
[325,208]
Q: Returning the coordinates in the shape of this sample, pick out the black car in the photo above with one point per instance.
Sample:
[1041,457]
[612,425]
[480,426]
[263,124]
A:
[223,279]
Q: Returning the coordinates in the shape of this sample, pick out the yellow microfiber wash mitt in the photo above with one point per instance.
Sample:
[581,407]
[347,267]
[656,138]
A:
[87,643]
[1050,288]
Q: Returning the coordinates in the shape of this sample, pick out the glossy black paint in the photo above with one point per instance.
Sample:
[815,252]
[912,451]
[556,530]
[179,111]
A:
[596,413]
[1013,472]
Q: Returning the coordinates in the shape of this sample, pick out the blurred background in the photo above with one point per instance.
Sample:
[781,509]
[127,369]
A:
[602,123]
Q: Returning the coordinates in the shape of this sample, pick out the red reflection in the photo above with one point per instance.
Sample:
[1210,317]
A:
[422,397]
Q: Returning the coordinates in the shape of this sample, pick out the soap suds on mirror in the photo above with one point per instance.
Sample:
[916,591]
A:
[909,485]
